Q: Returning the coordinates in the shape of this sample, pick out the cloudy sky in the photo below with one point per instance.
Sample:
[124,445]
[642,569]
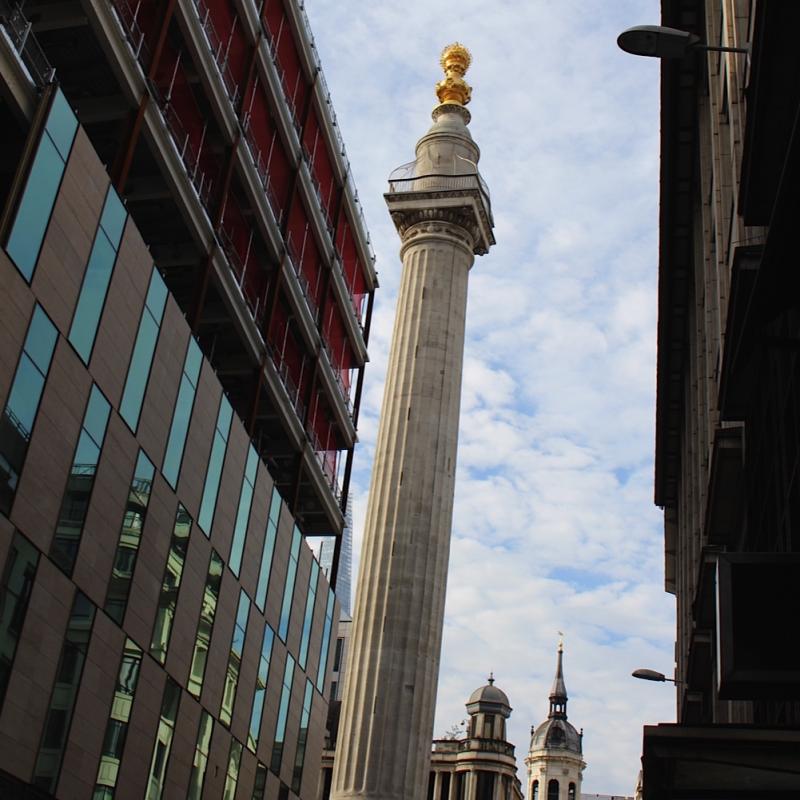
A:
[555,528]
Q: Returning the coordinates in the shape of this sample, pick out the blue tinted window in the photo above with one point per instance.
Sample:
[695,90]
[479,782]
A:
[41,340]
[326,640]
[44,178]
[308,618]
[129,538]
[112,220]
[243,514]
[288,589]
[182,414]
[28,384]
[283,713]
[65,692]
[92,296]
[261,688]
[234,659]
[61,125]
[35,208]
[170,584]
[302,738]
[139,370]
[15,591]
[240,628]
[22,406]
[215,462]
[269,549]
[80,483]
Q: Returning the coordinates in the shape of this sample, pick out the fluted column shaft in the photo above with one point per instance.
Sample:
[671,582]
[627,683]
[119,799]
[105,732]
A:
[383,750]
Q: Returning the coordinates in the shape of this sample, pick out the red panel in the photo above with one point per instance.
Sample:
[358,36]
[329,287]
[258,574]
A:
[267,148]
[321,167]
[185,120]
[231,48]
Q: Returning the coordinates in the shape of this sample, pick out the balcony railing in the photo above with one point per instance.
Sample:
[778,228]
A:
[19,33]
[405,179]
[261,165]
[128,16]
[219,49]
[292,391]
[295,260]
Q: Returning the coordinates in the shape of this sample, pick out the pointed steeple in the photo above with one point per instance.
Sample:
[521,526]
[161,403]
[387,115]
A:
[558,694]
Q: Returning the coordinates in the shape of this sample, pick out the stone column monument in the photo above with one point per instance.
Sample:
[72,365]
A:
[440,206]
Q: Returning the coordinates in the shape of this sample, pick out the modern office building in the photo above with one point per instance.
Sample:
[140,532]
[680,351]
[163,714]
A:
[328,549]
[555,756]
[186,286]
[728,402]
[441,209]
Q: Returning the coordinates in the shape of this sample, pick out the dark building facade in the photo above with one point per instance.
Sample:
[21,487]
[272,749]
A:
[728,402]
[186,285]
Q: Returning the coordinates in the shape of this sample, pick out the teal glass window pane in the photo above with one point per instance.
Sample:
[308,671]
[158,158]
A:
[243,513]
[163,744]
[260,785]
[302,738]
[25,393]
[193,360]
[41,340]
[35,208]
[232,776]
[96,417]
[308,617]
[170,584]
[268,550]
[117,725]
[143,350]
[261,688]
[16,422]
[205,627]
[215,462]
[182,414]
[283,713]
[112,220]
[288,589]
[61,124]
[15,592]
[93,294]
[235,659]
[65,691]
[138,372]
[75,504]
[201,751]
[130,538]
[156,296]
[326,641]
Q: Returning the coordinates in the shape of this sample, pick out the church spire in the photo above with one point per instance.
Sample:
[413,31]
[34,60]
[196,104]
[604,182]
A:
[558,694]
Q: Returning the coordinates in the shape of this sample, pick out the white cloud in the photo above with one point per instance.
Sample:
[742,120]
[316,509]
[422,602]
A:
[554,527]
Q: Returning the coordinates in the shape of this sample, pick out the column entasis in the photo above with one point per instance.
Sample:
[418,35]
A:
[440,206]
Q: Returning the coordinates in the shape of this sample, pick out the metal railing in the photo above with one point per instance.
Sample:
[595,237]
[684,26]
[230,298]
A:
[24,42]
[128,17]
[405,179]
[219,50]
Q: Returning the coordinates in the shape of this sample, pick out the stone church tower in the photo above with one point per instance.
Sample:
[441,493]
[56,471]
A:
[555,759]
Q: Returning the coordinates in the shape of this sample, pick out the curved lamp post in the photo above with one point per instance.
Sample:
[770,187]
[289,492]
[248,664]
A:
[660,42]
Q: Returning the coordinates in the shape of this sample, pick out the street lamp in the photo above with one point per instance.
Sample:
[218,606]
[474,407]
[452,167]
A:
[652,675]
[660,42]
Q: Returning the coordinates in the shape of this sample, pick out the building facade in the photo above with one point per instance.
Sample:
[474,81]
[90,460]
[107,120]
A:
[728,408]
[482,765]
[186,292]
[555,756]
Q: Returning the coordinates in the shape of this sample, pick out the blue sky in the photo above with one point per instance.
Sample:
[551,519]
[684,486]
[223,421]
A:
[554,528]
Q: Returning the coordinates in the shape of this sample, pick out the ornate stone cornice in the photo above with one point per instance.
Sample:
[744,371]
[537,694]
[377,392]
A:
[459,222]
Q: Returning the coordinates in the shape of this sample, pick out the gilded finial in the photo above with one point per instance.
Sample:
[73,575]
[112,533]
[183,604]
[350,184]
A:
[560,642]
[455,62]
